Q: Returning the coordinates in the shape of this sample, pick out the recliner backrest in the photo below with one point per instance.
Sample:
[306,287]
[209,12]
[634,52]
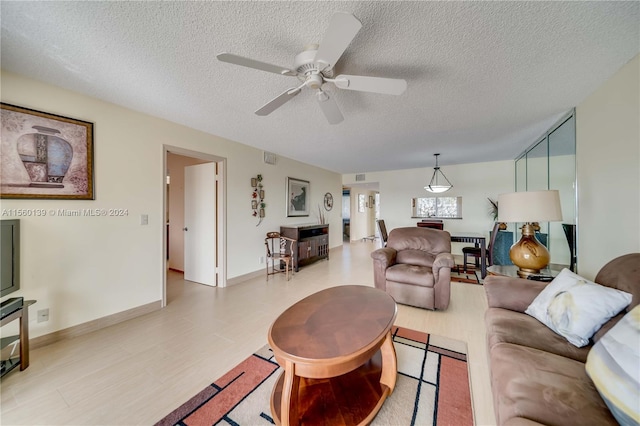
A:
[418,246]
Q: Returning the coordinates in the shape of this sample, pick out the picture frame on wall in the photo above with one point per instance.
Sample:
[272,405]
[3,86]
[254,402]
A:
[297,197]
[45,156]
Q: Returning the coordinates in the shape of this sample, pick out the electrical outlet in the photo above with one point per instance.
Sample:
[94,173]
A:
[43,315]
[261,260]
[144,219]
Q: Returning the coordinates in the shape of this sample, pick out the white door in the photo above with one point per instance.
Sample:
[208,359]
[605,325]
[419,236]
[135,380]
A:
[200,223]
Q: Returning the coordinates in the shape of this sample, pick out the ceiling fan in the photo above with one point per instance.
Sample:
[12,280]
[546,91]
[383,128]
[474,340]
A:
[315,66]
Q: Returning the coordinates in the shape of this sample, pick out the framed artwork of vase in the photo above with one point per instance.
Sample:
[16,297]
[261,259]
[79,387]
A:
[44,156]
[297,197]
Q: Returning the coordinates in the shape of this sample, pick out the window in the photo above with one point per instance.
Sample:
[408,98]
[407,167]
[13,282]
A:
[437,207]
[361,203]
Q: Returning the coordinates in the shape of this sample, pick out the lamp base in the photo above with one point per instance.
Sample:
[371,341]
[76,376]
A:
[529,254]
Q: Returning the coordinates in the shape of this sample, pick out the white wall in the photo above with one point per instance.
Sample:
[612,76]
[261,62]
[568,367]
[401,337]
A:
[85,268]
[474,182]
[608,169]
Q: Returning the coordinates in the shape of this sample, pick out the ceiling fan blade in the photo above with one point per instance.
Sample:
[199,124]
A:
[342,30]
[329,108]
[252,63]
[386,86]
[278,101]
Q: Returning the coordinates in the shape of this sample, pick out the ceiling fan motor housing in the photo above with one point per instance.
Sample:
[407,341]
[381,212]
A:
[305,64]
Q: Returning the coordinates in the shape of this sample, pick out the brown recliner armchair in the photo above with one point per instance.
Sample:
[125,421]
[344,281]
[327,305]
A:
[415,267]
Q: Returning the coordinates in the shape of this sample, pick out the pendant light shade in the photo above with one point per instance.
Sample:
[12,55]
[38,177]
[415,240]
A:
[439,182]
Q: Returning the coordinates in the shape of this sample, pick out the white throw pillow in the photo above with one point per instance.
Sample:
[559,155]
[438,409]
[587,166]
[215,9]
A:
[614,366]
[575,307]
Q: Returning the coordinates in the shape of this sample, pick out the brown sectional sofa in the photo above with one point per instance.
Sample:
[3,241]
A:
[537,376]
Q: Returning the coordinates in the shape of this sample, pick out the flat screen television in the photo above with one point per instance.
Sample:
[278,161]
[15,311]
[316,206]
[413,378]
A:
[10,254]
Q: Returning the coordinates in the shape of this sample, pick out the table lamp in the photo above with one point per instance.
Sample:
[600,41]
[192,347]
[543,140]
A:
[534,206]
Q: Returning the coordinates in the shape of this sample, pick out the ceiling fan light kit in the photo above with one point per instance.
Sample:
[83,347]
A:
[437,185]
[314,68]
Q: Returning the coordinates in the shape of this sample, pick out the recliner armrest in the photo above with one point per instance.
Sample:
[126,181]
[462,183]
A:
[515,294]
[382,259]
[385,256]
[443,260]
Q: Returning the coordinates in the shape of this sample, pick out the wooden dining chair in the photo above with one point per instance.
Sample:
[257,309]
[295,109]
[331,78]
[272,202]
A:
[280,249]
[476,252]
[383,232]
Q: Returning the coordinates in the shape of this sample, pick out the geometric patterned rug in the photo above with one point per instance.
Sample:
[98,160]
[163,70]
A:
[432,388]
[470,276]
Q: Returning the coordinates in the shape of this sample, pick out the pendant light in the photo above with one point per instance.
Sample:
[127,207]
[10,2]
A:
[437,184]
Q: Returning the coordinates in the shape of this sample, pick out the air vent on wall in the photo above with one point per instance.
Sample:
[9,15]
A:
[269,157]
[360,177]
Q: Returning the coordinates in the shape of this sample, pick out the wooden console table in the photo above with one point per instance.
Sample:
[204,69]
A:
[313,242]
[21,313]
[337,353]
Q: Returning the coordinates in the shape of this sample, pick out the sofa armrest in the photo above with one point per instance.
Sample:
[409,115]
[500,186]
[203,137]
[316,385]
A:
[515,294]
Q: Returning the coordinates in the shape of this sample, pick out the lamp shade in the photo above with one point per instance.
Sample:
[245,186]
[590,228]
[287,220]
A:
[531,206]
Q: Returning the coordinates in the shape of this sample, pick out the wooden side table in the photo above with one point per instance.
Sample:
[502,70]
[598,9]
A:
[337,353]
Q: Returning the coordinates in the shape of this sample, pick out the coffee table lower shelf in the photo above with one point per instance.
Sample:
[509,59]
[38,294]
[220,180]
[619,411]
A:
[353,398]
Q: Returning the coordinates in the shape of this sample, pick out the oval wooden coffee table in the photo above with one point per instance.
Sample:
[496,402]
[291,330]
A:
[337,353]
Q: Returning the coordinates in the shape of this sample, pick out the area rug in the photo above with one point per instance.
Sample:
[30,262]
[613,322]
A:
[469,276]
[432,388]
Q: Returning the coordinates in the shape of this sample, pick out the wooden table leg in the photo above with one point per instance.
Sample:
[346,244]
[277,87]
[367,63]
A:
[24,337]
[389,363]
[290,390]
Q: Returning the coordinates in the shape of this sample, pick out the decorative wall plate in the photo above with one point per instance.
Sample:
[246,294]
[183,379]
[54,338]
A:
[328,201]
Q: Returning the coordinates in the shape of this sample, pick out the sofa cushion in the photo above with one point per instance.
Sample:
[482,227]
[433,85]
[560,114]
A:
[614,367]
[544,387]
[506,326]
[575,307]
[410,274]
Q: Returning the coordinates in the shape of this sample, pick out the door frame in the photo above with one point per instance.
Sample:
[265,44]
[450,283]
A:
[221,234]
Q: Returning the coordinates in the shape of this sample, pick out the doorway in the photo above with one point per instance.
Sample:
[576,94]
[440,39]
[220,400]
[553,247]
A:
[363,209]
[199,255]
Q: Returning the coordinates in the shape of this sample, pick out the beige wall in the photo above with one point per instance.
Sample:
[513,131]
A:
[608,168]
[85,268]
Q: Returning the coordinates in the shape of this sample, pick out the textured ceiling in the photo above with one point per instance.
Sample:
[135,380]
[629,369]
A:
[484,78]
